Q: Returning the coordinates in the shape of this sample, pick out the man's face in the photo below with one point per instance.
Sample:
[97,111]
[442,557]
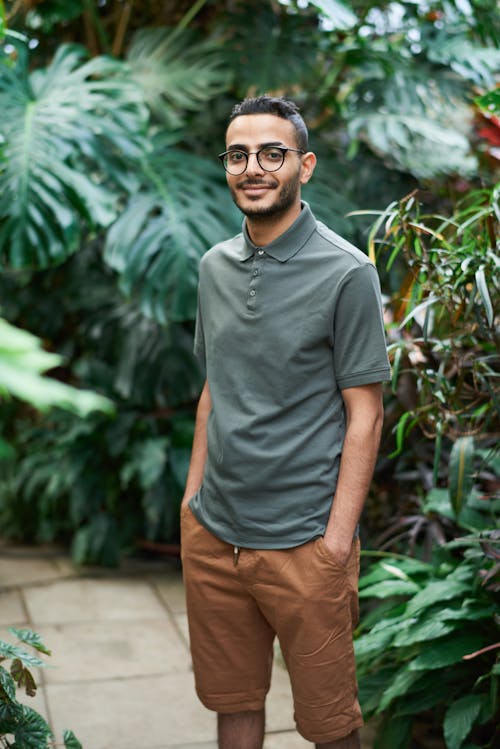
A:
[257,192]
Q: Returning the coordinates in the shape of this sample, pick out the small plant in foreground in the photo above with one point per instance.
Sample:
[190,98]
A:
[21,727]
[428,654]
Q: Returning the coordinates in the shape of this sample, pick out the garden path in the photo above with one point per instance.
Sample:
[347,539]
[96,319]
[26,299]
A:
[120,675]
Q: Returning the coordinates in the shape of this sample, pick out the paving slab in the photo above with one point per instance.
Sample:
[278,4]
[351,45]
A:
[12,610]
[131,713]
[102,650]
[82,600]
[181,621]
[286,740]
[18,570]
[170,588]
[148,712]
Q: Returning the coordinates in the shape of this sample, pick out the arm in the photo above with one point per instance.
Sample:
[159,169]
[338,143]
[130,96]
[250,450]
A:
[199,451]
[364,415]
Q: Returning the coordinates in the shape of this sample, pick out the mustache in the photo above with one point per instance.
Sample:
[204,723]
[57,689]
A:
[255,183]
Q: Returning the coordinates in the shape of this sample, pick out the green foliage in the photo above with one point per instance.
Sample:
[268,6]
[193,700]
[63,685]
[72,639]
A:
[63,127]
[490,102]
[429,657]
[158,240]
[445,311]
[18,722]
[176,71]
[22,362]
[115,483]
[109,149]
[428,646]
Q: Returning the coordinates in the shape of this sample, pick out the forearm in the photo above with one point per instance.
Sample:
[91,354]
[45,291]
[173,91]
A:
[199,450]
[364,415]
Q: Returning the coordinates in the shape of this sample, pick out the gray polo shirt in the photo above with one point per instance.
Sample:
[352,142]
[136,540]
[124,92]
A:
[282,330]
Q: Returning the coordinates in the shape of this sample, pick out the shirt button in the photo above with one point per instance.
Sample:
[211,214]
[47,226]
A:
[253,292]
[256,273]
[261,252]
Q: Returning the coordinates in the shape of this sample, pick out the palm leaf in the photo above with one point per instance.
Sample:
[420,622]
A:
[63,128]
[156,244]
[175,72]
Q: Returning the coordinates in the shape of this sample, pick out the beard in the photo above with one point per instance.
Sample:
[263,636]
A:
[285,198]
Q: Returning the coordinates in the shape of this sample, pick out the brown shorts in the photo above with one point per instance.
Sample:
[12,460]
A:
[301,595]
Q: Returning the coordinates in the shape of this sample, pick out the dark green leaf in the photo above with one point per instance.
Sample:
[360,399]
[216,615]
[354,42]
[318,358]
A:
[70,740]
[413,632]
[389,588]
[402,684]
[437,591]
[461,472]
[446,651]
[459,719]
[157,242]
[394,733]
[7,686]
[32,730]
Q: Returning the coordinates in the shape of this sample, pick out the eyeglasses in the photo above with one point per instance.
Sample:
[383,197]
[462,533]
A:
[269,158]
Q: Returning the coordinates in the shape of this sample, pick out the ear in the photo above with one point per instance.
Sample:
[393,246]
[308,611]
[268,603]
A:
[308,164]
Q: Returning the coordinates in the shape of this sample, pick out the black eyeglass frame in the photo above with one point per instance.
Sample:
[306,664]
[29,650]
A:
[283,149]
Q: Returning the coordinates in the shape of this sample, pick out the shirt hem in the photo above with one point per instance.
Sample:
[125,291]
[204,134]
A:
[365,378]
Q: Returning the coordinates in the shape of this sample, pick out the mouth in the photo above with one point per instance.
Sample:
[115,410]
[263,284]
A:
[255,189]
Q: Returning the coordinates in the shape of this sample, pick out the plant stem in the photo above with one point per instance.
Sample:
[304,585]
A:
[93,17]
[192,12]
[122,28]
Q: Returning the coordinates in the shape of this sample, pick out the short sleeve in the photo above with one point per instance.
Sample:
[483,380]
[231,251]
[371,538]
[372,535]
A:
[359,347]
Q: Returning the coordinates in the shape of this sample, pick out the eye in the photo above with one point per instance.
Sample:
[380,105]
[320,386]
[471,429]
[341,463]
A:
[272,154]
[235,157]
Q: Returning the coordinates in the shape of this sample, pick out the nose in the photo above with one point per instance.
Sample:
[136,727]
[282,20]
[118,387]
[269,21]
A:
[253,166]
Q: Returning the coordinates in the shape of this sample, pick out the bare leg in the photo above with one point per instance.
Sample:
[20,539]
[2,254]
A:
[348,742]
[242,730]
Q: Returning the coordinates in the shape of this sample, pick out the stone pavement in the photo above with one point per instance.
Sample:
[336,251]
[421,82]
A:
[120,675]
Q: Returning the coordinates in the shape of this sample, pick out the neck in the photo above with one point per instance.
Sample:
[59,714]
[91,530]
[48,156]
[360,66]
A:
[265,229]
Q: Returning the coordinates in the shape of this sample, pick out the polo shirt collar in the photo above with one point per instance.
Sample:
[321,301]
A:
[288,243]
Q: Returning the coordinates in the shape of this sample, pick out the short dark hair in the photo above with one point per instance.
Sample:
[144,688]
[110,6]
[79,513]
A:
[283,108]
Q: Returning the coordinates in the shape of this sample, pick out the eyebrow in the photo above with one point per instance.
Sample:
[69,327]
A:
[242,147]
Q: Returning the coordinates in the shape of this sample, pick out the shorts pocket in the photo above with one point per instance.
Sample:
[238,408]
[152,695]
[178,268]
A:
[328,556]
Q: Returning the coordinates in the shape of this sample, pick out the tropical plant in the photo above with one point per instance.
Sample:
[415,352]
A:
[22,362]
[20,725]
[108,154]
[442,273]
[428,652]
[82,120]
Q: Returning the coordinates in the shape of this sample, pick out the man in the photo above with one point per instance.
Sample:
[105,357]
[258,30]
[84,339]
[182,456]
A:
[290,331]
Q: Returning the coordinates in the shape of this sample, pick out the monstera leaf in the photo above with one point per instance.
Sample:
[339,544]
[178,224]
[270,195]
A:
[156,244]
[176,72]
[66,129]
